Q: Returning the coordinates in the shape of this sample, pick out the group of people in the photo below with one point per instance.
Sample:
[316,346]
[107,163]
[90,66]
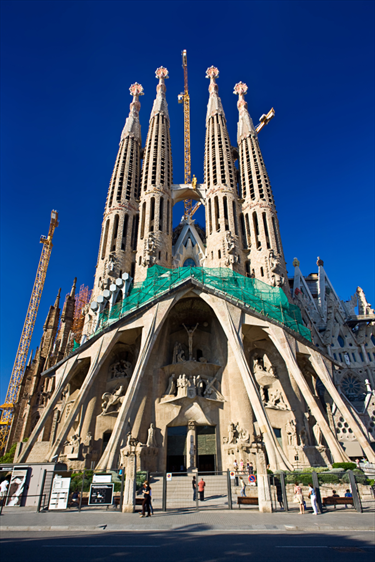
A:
[298,497]
[241,467]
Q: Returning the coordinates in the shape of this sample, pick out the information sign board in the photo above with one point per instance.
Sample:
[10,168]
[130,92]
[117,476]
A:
[60,493]
[101,494]
[103,478]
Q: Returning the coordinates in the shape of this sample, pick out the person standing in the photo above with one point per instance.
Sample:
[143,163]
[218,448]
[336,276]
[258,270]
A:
[241,465]
[201,486]
[299,498]
[250,468]
[4,490]
[194,485]
[235,465]
[312,496]
[146,499]
[243,487]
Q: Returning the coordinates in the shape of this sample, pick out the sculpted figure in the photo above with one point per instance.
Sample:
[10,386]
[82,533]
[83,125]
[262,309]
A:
[231,433]
[276,400]
[190,332]
[230,243]
[291,431]
[318,434]
[171,385]
[272,261]
[110,400]
[364,307]
[151,436]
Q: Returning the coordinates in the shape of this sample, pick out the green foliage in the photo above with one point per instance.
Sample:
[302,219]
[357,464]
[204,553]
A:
[359,478]
[329,479]
[140,478]
[300,477]
[9,456]
[345,465]
[371,482]
[316,469]
[269,471]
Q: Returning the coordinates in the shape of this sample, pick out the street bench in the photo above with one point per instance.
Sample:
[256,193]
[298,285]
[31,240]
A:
[337,501]
[246,501]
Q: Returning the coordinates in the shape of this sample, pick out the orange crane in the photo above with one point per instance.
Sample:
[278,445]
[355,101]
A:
[185,99]
[26,335]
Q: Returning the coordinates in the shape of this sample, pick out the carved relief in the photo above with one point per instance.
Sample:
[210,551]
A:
[112,401]
[120,369]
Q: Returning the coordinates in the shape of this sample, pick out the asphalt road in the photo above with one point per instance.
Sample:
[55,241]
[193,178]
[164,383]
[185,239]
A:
[187,546]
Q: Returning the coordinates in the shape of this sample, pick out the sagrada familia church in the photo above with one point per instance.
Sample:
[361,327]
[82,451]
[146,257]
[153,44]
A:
[197,346]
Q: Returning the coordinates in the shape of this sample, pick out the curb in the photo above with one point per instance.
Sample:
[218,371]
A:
[258,529]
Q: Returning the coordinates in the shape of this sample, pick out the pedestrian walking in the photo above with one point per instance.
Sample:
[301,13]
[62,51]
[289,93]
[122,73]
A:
[312,496]
[146,499]
[243,487]
[201,486]
[194,485]
[279,493]
[4,490]
[298,498]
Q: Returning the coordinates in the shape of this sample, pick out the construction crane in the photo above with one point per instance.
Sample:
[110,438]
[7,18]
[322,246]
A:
[265,119]
[27,332]
[185,99]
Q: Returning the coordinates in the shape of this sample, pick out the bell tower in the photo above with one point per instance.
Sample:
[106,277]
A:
[259,223]
[224,246]
[120,223]
[155,227]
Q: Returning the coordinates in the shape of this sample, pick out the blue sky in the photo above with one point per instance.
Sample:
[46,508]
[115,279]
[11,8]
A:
[65,72]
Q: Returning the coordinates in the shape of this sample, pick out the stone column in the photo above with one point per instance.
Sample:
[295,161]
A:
[128,505]
[191,449]
[264,493]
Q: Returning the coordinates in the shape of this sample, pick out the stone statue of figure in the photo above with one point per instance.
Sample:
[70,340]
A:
[258,364]
[151,436]
[272,261]
[171,385]
[291,432]
[190,332]
[230,244]
[364,307]
[317,434]
[111,399]
[231,433]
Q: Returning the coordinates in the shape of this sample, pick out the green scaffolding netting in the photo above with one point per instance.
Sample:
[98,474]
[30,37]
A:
[269,301]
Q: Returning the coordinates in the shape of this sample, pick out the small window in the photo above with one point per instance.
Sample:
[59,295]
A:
[354,357]
[159,256]
[262,271]
[340,357]
[219,254]
[361,356]
[341,341]
[335,356]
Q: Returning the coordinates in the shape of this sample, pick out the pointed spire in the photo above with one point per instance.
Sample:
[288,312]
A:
[57,301]
[73,291]
[245,124]
[132,124]
[160,103]
[214,102]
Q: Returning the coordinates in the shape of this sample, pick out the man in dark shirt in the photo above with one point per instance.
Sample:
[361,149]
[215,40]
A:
[146,499]
[194,484]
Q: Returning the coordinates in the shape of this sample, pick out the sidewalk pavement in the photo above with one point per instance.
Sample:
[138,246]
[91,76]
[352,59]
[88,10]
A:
[244,520]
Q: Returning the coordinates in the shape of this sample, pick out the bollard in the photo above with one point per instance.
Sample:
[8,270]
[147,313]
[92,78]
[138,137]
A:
[164,499]
[353,486]
[41,491]
[122,488]
[80,497]
[229,486]
[317,491]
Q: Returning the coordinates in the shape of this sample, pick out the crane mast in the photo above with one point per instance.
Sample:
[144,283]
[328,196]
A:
[185,99]
[26,335]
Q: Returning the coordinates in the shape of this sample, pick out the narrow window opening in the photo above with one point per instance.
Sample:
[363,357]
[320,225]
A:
[219,254]
[105,239]
[161,212]
[235,218]
[143,219]
[152,215]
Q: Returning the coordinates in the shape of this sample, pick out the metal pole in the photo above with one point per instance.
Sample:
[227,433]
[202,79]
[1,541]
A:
[353,486]
[122,487]
[229,487]
[41,490]
[196,494]
[164,498]
[317,491]
[283,489]
[81,494]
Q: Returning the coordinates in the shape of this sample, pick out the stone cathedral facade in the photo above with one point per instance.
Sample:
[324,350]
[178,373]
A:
[198,348]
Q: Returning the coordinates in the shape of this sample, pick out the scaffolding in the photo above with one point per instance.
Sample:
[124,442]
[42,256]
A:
[251,293]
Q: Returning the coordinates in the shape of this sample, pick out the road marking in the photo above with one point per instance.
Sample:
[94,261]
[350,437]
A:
[101,546]
[315,546]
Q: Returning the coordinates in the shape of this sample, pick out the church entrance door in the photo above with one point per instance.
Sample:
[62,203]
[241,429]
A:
[206,448]
[176,449]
